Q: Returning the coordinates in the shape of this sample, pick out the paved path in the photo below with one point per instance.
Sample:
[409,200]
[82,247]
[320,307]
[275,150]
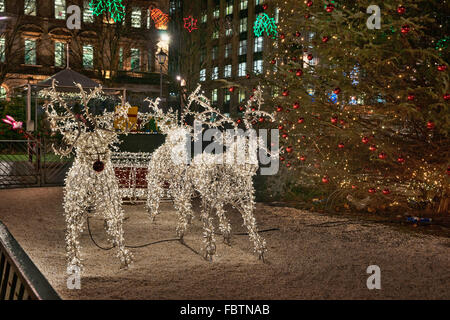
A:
[312,256]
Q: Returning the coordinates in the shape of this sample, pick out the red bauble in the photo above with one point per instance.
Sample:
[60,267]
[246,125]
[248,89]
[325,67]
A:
[301,120]
[401,10]
[239,121]
[288,164]
[342,122]
[282,36]
[447,96]
[297,34]
[400,159]
[299,73]
[405,29]
[353,186]
[273,61]
[430,125]
[279,108]
[284,135]
[372,190]
[334,120]
[265,6]
[280,127]
[411,97]
[285,92]
[386,191]
[294,58]
[241,108]
[309,3]
[231,89]
[337,90]
[98,166]
[310,57]
[282,158]
[296,105]
[341,145]
[307,16]
[247,76]
[365,140]
[372,148]
[302,158]
[289,149]
[442,67]
[325,179]
[330,7]
[382,156]
[325,39]
[261,119]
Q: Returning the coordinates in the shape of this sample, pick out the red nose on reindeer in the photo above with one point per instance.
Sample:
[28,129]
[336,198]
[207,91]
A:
[98,166]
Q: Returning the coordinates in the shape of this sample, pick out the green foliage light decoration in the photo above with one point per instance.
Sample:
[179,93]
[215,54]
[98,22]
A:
[264,23]
[115,8]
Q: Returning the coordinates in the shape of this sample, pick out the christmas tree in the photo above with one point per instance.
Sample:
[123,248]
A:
[364,111]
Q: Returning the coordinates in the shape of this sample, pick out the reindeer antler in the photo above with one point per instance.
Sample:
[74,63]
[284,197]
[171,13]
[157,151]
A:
[251,113]
[166,120]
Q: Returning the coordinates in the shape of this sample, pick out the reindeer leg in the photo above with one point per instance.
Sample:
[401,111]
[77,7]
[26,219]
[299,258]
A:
[155,193]
[182,203]
[224,224]
[246,209]
[208,232]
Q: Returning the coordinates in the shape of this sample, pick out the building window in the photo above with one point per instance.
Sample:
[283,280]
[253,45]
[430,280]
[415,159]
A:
[277,14]
[88,56]
[258,2]
[242,47]
[135,59]
[215,73]
[227,96]
[204,17]
[60,9]
[241,95]
[3,93]
[242,69]
[214,96]
[215,34]
[60,54]
[30,52]
[243,25]
[216,12]
[229,31]
[149,19]
[227,71]
[227,50]
[120,58]
[257,66]
[259,44]
[214,52]
[203,75]
[2,49]
[2,5]
[136,17]
[229,8]
[29,7]
[244,4]
[88,14]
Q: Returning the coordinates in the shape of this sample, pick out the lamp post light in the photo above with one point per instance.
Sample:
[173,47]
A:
[162,56]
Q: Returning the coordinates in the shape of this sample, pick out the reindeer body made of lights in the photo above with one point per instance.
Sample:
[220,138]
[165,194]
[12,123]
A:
[90,182]
[227,179]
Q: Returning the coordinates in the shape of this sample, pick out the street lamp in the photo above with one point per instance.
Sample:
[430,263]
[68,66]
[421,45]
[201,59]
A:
[162,56]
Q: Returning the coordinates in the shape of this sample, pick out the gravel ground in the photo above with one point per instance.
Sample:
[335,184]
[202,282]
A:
[312,256]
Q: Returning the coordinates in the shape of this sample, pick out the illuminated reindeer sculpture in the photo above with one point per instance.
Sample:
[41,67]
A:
[90,182]
[227,178]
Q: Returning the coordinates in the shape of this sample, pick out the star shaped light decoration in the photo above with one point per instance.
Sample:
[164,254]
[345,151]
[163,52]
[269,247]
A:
[190,23]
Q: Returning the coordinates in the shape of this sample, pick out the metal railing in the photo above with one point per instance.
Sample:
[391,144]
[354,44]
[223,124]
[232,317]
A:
[20,279]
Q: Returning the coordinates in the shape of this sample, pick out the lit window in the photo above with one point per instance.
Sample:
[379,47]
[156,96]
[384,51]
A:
[3,93]
[136,17]
[60,9]
[241,95]
[215,73]
[229,8]
[215,34]
[258,2]
[216,12]
[203,75]
[30,52]
[227,71]
[227,96]
[2,5]
[60,54]
[149,20]
[242,69]
[88,14]
[214,96]
[88,56]
[214,52]
[259,44]
[257,66]
[277,14]
[30,7]
[135,59]
[242,47]
[227,50]
[244,4]
[120,58]
[243,25]
[228,31]
[204,18]
[2,49]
